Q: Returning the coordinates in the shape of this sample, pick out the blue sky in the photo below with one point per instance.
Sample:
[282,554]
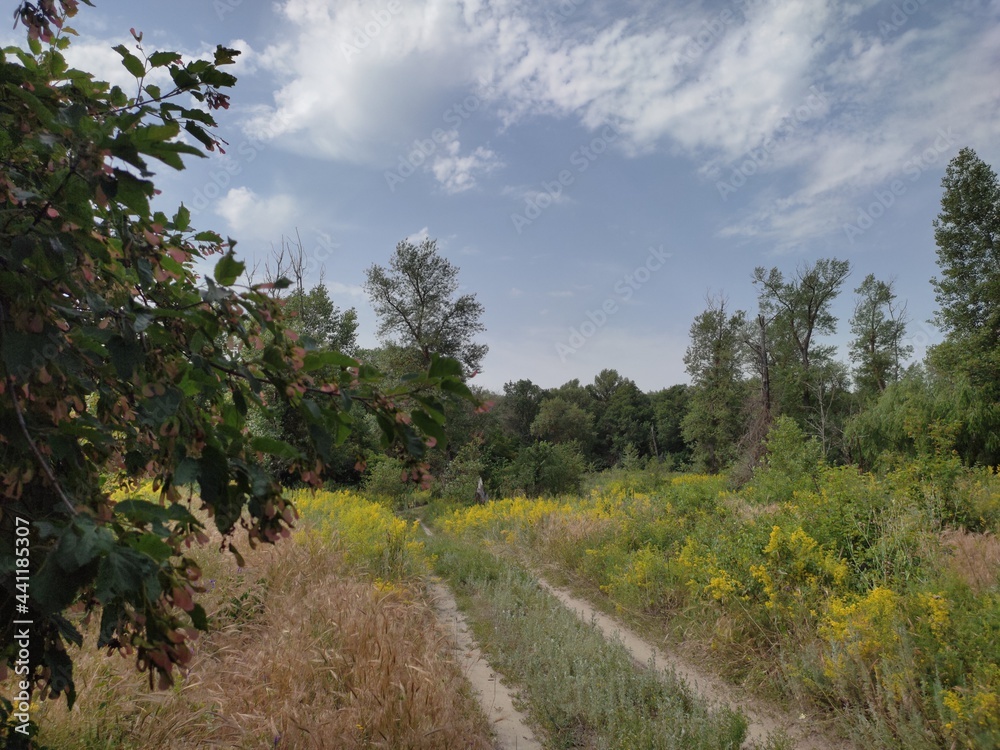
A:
[595,169]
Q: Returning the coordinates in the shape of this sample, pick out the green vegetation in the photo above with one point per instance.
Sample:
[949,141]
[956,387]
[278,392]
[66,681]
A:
[872,598]
[582,690]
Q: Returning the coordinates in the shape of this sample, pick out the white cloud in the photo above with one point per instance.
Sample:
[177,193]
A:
[421,235]
[457,173]
[845,104]
[363,79]
[254,217]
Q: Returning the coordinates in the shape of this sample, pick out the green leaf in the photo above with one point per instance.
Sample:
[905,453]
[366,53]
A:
[228,269]
[208,236]
[182,219]
[83,542]
[160,59]
[316,360]
[153,546]
[186,472]
[199,618]
[275,447]
[132,63]
[444,367]
[458,388]
[430,427]
[124,573]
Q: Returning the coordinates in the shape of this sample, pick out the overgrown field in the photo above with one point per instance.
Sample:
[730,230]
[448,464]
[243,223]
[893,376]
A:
[322,641]
[874,597]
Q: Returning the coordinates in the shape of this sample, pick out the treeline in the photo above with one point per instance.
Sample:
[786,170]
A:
[747,368]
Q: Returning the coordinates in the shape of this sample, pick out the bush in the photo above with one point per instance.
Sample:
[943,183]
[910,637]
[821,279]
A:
[792,462]
[545,469]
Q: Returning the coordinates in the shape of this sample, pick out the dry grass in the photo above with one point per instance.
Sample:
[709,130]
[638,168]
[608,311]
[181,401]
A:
[303,656]
[974,559]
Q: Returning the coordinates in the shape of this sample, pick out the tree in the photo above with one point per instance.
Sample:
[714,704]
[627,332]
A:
[117,356]
[627,422]
[313,314]
[670,406]
[799,310]
[519,407]
[560,421]
[967,232]
[879,327]
[415,302]
[713,359]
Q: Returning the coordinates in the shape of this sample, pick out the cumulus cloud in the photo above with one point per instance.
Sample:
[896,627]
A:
[843,98]
[252,216]
[457,173]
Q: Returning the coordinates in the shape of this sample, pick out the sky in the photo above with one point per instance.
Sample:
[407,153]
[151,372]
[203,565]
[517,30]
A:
[596,170]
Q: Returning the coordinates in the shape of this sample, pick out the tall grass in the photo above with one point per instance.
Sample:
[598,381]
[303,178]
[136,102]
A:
[304,652]
[873,598]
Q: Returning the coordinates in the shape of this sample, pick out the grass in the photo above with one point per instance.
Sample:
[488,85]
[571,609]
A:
[873,601]
[303,653]
[583,691]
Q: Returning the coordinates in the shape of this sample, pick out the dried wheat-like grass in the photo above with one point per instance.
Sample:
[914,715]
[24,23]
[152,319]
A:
[303,656]
[974,558]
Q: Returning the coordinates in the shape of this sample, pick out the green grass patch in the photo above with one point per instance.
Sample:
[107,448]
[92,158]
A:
[584,691]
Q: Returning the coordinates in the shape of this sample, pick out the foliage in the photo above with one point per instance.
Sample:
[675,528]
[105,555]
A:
[313,316]
[792,462]
[415,302]
[856,593]
[967,233]
[559,421]
[115,354]
[545,469]
[370,536]
[879,328]
[519,407]
[798,311]
[670,406]
[713,423]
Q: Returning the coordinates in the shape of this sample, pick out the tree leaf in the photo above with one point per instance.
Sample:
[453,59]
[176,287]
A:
[132,63]
[228,269]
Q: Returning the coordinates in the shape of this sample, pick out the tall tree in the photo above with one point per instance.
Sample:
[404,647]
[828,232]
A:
[415,300]
[714,421]
[879,327]
[799,309]
[519,407]
[314,315]
[967,232]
